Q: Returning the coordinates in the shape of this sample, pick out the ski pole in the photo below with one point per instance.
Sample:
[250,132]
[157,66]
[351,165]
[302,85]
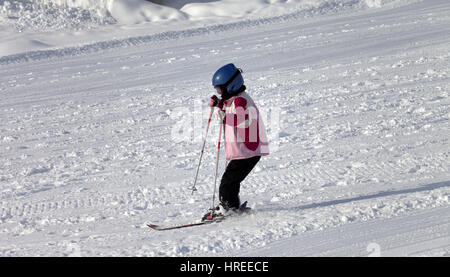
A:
[203,148]
[217,159]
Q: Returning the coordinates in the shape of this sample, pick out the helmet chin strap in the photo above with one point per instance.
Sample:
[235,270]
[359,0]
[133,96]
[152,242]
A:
[226,95]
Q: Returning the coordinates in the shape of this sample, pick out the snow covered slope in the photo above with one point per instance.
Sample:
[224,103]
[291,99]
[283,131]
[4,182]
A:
[424,233]
[357,109]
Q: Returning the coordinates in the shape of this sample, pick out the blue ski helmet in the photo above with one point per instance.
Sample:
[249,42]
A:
[229,78]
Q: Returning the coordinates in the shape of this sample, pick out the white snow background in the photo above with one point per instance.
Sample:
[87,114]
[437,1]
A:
[103,106]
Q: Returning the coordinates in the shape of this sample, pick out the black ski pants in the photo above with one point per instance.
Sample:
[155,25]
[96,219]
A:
[230,185]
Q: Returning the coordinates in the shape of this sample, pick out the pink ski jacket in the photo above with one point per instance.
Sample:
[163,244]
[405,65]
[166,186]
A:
[245,134]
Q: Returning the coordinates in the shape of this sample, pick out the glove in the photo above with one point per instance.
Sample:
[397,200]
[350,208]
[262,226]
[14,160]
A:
[213,101]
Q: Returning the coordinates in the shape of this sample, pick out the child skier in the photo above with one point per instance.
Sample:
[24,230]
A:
[245,136]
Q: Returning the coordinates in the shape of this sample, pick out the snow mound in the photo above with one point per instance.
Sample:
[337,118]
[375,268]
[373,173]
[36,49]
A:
[21,15]
[138,11]
[81,14]
[85,14]
[264,8]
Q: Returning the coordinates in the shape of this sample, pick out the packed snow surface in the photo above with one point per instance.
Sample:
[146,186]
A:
[103,113]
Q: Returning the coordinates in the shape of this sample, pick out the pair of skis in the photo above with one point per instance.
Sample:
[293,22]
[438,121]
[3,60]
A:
[242,209]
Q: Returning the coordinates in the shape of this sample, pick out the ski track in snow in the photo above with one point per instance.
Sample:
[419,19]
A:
[87,161]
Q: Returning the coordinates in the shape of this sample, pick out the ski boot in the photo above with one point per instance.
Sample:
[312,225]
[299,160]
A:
[217,213]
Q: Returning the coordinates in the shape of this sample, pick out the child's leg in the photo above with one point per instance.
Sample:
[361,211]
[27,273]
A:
[235,173]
